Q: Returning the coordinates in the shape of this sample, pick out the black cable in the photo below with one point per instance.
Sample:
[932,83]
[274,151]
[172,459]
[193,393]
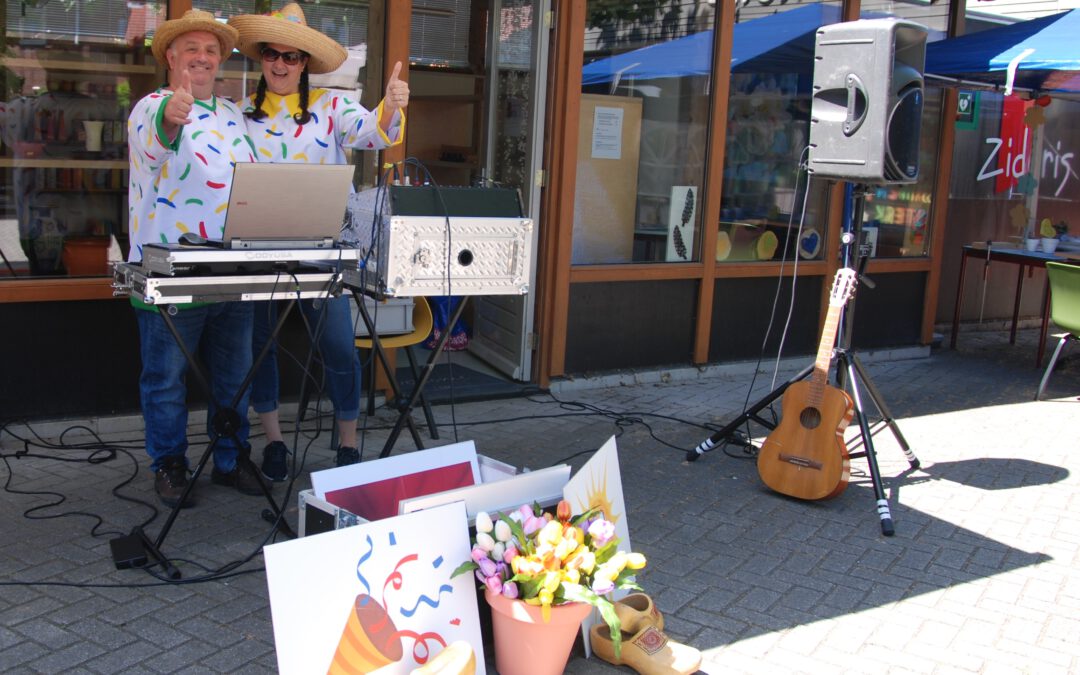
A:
[99,453]
[747,434]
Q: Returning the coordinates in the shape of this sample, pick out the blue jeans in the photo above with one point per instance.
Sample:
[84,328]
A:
[220,334]
[331,319]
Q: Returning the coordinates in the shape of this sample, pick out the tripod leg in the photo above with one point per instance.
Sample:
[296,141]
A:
[751,413]
[871,456]
[405,415]
[887,417]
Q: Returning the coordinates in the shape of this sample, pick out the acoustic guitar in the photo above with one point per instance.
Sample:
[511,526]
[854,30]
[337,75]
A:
[805,456]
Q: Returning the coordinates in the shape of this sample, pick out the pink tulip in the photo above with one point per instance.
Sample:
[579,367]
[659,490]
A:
[601,531]
[478,554]
[494,584]
[600,586]
[510,553]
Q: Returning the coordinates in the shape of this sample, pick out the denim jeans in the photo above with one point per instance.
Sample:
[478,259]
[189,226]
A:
[332,320]
[220,334]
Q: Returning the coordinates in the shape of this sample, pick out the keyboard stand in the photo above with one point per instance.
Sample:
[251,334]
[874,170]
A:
[136,549]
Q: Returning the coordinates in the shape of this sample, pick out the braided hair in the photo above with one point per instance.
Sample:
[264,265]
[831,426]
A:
[302,117]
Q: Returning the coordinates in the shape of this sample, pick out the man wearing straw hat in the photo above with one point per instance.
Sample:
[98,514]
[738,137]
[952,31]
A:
[182,144]
[288,121]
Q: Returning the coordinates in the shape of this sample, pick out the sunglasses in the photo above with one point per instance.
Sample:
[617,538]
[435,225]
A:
[269,54]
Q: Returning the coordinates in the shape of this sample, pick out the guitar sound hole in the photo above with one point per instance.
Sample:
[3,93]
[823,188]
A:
[810,418]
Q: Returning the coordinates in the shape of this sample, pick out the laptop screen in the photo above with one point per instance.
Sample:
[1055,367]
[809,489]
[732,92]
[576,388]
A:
[286,205]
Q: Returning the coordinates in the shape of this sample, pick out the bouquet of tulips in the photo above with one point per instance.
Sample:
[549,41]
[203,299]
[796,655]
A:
[548,560]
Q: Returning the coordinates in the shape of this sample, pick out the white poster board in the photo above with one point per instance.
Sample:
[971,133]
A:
[598,484]
[682,214]
[377,596]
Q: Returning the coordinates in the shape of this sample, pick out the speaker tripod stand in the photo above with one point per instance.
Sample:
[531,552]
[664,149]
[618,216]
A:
[850,376]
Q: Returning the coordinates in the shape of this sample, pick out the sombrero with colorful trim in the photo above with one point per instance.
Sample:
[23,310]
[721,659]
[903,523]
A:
[193,19]
[288,27]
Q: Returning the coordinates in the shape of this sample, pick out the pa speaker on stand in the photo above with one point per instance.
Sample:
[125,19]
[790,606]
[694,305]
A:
[864,128]
[867,102]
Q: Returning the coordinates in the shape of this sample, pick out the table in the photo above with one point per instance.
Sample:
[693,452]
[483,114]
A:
[1024,259]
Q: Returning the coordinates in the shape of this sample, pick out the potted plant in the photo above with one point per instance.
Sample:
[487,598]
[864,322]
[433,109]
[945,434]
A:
[1050,235]
[541,575]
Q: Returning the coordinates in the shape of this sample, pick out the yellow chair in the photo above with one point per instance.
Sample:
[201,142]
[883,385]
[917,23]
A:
[422,322]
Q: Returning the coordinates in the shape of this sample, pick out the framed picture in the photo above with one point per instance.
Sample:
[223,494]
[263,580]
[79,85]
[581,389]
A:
[682,215]
[374,490]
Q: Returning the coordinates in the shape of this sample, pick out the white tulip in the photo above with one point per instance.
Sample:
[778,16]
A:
[483,522]
[497,552]
[502,531]
[484,541]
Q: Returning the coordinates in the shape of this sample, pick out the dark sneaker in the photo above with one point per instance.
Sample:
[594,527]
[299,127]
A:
[170,481]
[275,464]
[347,456]
[243,477]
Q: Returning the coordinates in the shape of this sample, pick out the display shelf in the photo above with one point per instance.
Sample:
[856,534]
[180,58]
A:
[59,163]
[79,66]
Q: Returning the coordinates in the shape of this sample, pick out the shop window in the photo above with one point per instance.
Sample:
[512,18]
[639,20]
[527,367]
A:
[346,21]
[896,218]
[69,74]
[769,210]
[643,135]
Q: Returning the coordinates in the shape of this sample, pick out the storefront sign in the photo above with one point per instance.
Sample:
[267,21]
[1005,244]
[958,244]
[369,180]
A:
[1010,154]
[1056,166]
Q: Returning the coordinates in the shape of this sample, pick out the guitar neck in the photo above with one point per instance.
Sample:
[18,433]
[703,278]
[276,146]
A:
[824,355]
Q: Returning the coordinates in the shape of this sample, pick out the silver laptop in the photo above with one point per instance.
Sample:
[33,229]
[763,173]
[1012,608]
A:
[279,206]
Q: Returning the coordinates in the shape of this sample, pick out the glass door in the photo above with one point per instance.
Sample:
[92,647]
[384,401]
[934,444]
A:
[518,52]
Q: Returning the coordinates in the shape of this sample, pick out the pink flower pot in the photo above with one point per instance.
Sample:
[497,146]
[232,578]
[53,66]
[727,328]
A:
[527,645]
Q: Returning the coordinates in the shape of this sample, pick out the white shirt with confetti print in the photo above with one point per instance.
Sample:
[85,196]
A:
[337,122]
[182,186]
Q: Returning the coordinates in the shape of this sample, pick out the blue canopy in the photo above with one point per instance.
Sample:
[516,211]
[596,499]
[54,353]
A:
[1046,52]
[781,42]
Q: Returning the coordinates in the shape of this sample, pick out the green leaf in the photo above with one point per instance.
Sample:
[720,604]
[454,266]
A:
[467,566]
[523,543]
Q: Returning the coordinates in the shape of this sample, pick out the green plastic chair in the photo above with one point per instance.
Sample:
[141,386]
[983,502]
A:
[1064,309]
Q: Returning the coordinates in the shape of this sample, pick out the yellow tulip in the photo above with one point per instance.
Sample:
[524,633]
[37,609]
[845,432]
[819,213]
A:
[575,534]
[635,561]
[550,582]
[572,576]
[564,548]
[551,533]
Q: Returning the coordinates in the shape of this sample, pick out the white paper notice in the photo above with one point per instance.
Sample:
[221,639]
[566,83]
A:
[607,133]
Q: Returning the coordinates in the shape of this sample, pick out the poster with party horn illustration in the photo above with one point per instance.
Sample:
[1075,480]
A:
[374,597]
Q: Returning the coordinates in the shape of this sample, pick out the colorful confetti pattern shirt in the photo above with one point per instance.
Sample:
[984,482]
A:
[182,186]
[337,122]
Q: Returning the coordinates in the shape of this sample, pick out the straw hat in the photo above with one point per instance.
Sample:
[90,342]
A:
[288,27]
[193,19]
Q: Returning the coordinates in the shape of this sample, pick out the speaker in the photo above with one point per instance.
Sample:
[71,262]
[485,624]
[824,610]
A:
[866,110]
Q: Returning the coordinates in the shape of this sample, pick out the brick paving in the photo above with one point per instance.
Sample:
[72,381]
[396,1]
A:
[982,575]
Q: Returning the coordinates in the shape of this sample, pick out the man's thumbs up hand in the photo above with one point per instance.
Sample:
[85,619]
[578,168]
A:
[397,91]
[179,105]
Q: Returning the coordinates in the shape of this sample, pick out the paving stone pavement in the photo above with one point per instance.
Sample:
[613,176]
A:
[982,575]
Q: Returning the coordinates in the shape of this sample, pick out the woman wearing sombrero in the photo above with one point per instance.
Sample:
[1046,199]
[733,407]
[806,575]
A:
[288,121]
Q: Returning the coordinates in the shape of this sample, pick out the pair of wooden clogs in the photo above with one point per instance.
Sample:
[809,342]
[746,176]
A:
[645,647]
